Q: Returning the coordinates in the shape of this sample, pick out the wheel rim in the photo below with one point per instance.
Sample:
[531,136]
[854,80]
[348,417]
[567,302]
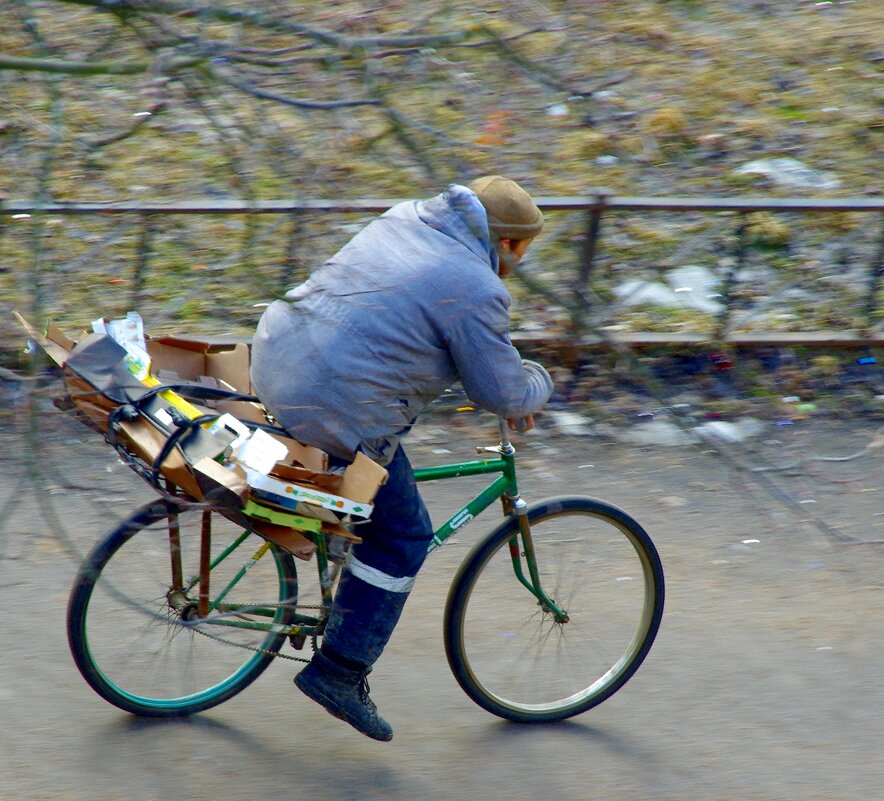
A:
[519,658]
[140,652]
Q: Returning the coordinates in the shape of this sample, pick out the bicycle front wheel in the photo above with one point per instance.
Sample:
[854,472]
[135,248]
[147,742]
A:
[135,627]
[509,653]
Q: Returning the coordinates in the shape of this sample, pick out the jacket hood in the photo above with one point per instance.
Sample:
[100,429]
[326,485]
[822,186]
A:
[459,213]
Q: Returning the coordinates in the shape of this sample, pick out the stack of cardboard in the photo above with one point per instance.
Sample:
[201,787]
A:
[284,490]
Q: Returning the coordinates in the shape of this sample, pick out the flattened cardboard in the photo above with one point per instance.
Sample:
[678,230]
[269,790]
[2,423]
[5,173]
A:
[340,531]
[91,407]
[203,344]
[145,442]
[56,335]
[304,455]
[56,351]
[299,506]
[230,366]
[362,479]
[223,486]
[323,495]
[301,475]
[287,538]
[187,364]
[99,363]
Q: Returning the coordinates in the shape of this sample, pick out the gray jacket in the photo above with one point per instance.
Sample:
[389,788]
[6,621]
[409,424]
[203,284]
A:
[413,302]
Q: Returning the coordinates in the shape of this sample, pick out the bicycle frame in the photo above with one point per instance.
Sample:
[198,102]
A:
[504,487]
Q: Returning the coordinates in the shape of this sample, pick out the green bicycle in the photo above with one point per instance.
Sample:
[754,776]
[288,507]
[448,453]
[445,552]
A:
[179,608]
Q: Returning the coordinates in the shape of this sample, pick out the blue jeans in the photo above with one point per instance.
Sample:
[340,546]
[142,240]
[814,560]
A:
[380,571]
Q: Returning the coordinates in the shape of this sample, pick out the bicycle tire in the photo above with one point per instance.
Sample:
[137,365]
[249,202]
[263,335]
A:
[136,651]
[511,657]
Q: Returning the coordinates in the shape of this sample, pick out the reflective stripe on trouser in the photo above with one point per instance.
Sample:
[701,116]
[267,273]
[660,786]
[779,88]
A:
[371,575]
[380,570]
[362,620]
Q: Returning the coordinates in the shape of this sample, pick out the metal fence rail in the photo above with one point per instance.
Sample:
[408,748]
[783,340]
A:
[596,201]
[597,206]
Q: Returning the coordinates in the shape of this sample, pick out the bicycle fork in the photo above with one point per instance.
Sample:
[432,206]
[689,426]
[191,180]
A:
[517,507]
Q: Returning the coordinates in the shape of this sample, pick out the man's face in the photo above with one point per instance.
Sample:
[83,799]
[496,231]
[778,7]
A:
[510,252]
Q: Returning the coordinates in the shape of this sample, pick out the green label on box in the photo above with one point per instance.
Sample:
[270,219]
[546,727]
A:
[282,518]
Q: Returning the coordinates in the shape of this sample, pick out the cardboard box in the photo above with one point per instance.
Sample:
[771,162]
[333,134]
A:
[331,498]
[300,483]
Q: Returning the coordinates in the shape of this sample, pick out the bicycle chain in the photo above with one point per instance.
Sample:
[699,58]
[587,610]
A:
[258,649]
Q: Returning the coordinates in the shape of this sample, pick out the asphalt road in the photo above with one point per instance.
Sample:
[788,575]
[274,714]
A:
[766,681]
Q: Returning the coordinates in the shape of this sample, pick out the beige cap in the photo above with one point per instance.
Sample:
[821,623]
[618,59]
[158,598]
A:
[512,214]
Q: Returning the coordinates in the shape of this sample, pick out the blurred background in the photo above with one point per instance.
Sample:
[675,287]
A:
[221,108]
[243,146]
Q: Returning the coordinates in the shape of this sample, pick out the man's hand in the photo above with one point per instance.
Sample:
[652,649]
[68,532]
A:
[521,424]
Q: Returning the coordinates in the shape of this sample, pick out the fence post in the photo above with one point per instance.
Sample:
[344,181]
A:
[2,227]
[142,257]
[730,279]
[875,283]
[588,253]
[290,259]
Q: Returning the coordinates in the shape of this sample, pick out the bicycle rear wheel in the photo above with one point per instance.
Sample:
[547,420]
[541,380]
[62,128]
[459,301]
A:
[511,656]
[135,631]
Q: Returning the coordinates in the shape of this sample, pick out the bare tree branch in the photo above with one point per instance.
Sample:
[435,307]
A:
[72,67]
[268,22]
[141,118]
[323,105]
[266,58]
[93,67]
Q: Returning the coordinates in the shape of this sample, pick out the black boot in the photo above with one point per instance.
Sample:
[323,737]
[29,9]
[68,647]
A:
[344,693]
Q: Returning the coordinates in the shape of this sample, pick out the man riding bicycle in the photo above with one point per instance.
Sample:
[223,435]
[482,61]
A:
[347,361]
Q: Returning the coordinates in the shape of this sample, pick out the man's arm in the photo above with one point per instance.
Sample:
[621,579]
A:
[493,373]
